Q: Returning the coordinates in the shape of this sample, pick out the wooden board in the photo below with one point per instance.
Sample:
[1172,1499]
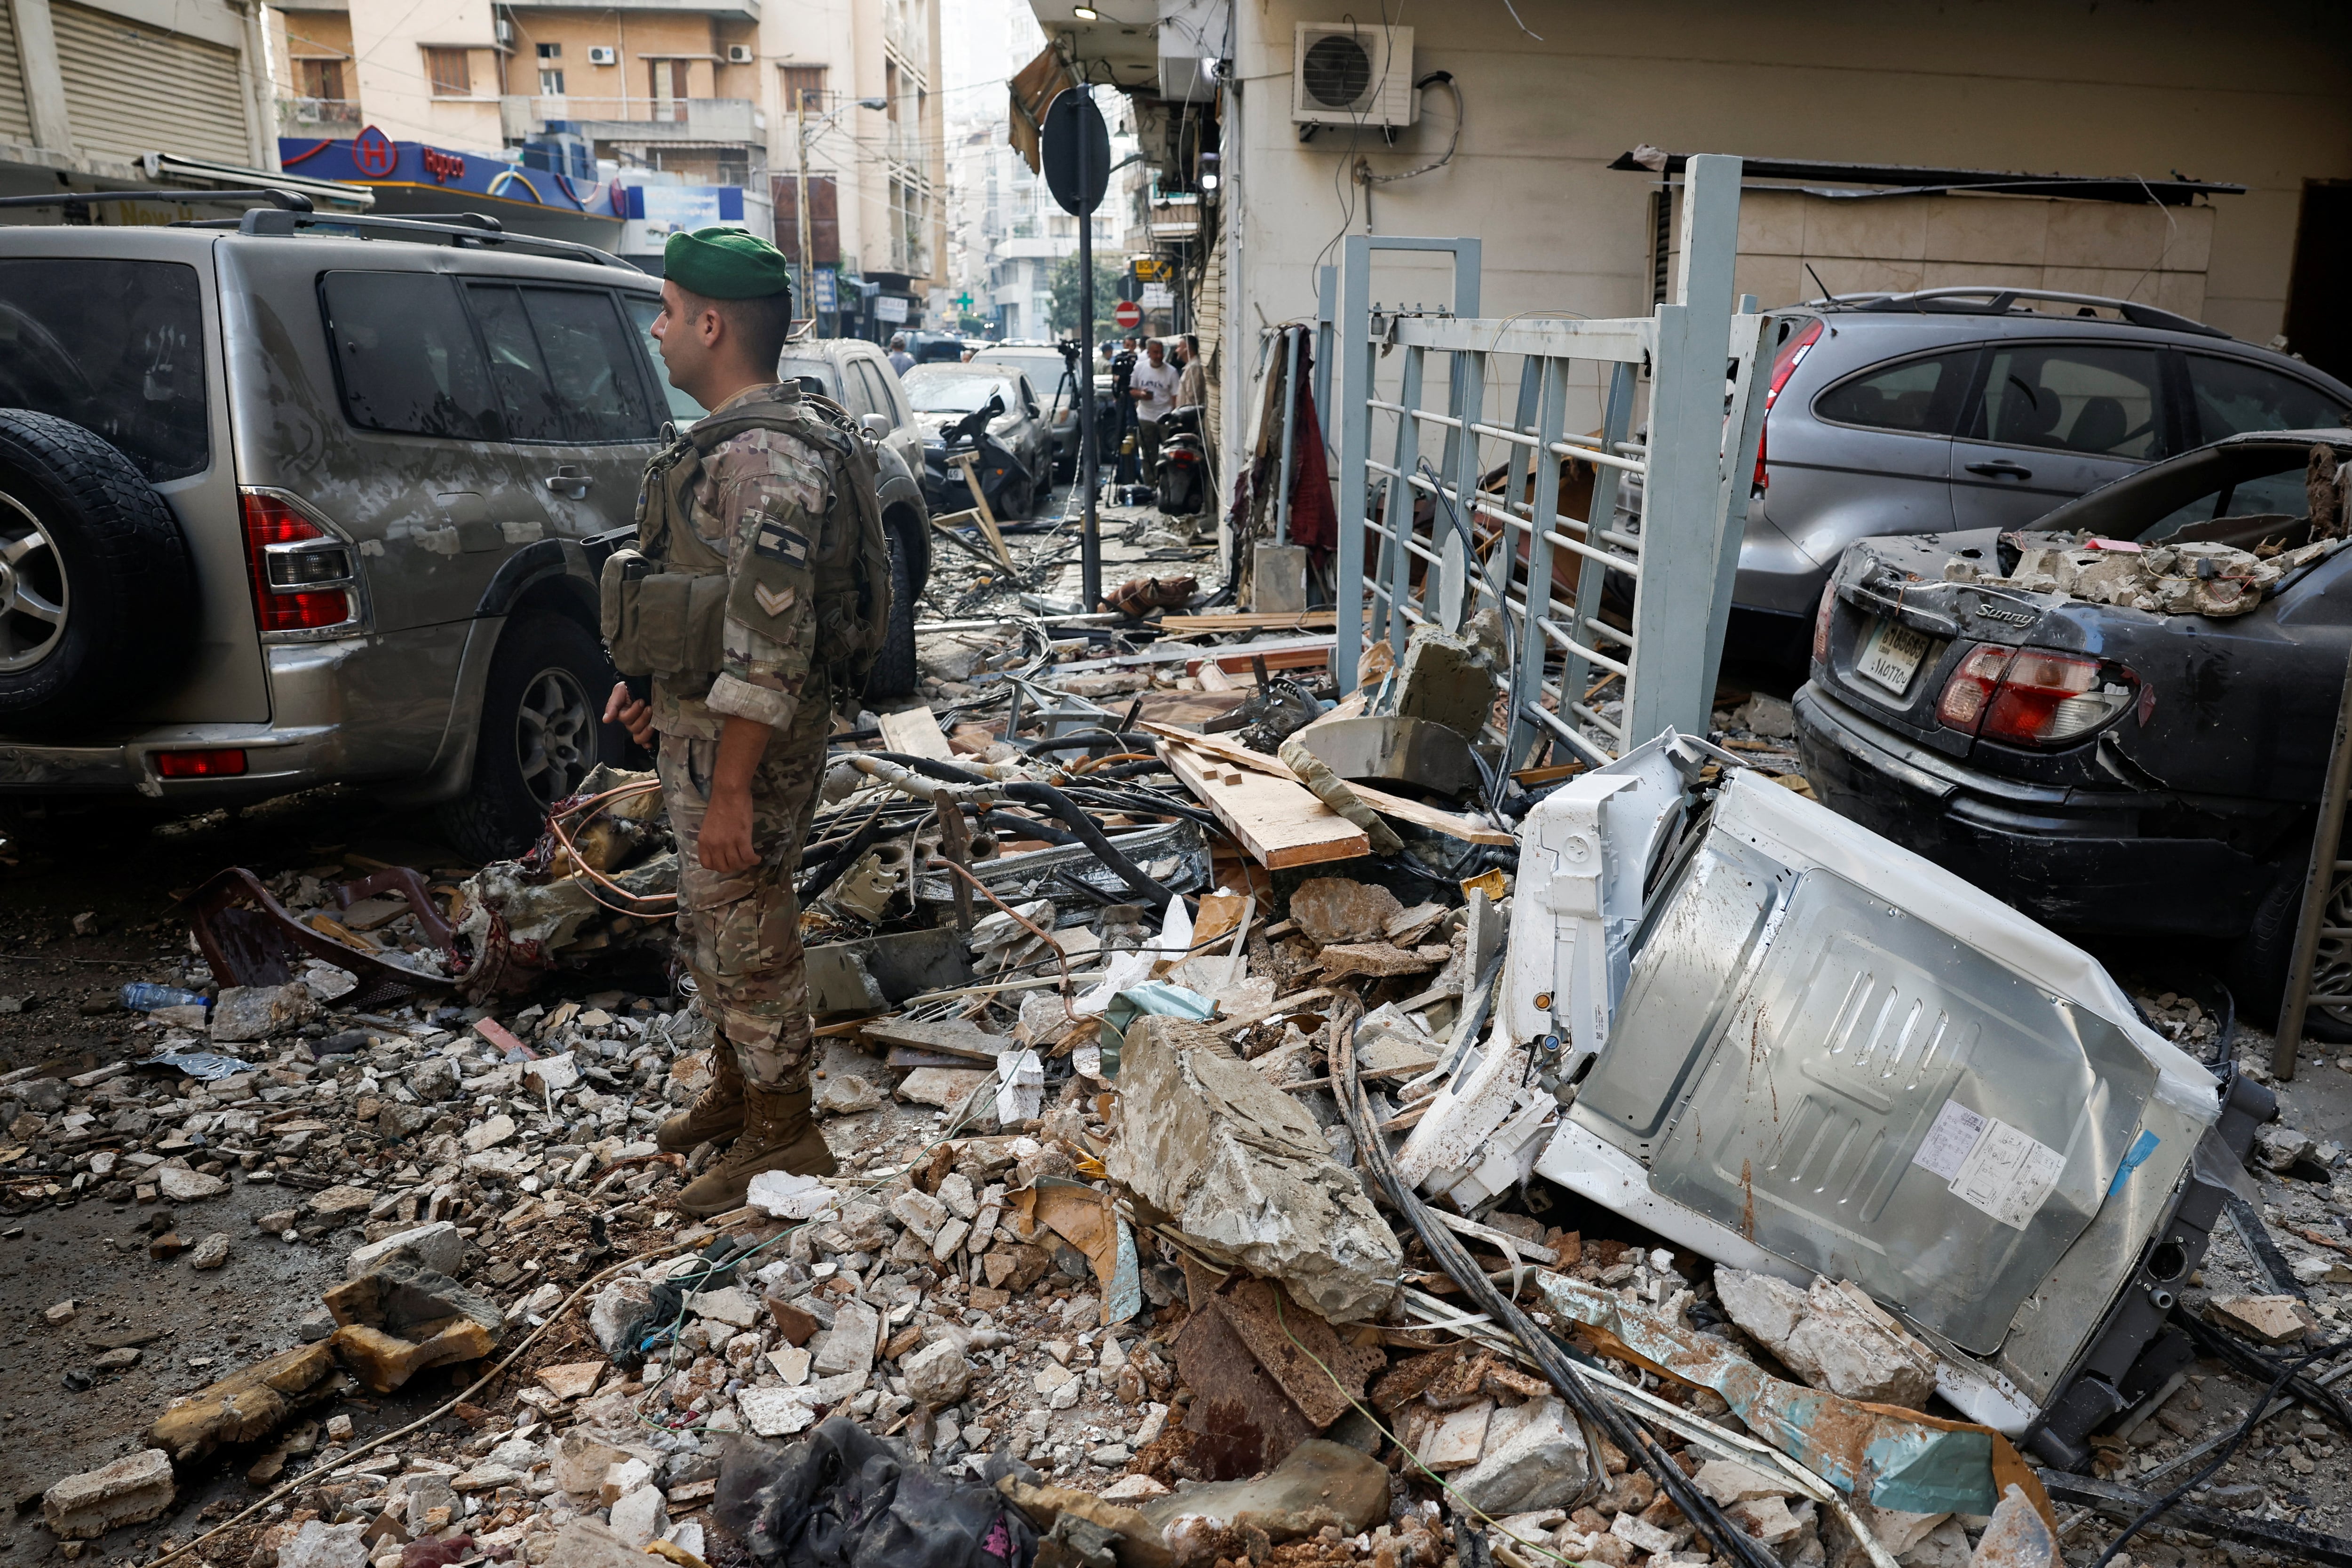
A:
[968,463]
[1314,654]
[1277,821]
[916,733]
[1247,621]
[1232,751]
[950,1037]
[1428,817]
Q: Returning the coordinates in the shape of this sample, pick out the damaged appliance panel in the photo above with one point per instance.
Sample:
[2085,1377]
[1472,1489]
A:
[1833,1058]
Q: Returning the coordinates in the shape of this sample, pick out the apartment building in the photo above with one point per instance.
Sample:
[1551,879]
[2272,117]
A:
[1014,236]
[706,95]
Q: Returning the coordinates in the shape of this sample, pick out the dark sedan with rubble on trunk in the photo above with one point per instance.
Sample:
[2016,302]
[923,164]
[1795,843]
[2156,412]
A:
[2118,721]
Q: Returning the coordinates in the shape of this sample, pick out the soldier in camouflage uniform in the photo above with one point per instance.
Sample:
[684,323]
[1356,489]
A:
[740,753]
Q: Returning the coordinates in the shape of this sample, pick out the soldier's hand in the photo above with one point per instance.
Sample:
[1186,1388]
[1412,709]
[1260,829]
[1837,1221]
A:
[726,839]
[630,714]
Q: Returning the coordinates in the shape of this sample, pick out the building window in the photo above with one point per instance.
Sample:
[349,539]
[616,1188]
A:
[450,72]
[322,79]
[804,89]
[551,83]
[551,51]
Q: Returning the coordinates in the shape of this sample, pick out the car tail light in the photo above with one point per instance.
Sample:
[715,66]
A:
[216,764]
[2033,697]
[1823,617]
[302,574]
[1784,365]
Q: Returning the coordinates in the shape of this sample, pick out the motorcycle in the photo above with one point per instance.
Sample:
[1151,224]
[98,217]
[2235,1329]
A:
[1179,481]
[1011,489]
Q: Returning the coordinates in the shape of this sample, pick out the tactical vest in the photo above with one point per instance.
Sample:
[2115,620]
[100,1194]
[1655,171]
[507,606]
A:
[666,602]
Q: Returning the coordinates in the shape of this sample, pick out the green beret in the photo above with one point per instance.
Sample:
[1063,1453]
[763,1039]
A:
[725,264]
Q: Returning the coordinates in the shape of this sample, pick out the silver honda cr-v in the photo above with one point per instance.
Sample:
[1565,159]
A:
[1983,407]
[289,500]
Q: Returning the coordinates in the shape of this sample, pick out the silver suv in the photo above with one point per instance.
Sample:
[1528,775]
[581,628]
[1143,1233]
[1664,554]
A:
[1962,407]
[283,504]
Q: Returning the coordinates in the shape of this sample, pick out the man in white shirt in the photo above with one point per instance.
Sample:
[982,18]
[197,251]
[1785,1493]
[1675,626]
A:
[900,360]
[1153,386]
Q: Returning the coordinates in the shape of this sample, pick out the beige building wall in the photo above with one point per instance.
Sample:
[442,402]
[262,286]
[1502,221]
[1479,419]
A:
[389,38]
[2250,93]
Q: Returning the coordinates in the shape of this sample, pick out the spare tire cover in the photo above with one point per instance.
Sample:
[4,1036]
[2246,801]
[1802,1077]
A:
[98,595]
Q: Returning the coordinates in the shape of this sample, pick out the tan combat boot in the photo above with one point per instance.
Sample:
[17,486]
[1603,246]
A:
[778,1135]
[716,1113]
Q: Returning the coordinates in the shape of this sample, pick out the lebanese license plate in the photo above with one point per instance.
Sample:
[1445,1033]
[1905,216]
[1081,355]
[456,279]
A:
[1890,654]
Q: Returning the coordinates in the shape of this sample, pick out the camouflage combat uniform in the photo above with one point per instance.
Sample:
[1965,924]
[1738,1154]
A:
[740,933]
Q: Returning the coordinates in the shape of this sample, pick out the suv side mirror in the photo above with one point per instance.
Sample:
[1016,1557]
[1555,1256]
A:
[875,425]
[995,404]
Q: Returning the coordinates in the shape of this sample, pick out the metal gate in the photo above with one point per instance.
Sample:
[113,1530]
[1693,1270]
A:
[1670,556]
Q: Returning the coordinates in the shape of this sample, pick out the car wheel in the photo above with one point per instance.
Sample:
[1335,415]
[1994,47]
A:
[894,672]
[542,732]
[98,596]
[2258,965]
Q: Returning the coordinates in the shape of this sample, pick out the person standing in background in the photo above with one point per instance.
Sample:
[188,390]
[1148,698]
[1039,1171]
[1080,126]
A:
[900,360]
[1152,384]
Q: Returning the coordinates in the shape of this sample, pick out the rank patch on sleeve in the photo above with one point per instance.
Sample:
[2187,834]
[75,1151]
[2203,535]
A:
[773,604]
[778,542]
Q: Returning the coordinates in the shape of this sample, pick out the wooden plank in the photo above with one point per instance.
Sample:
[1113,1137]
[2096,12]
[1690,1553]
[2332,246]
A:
[1311,653]
[916,733]
[1277,821]
[948,525]
[1247,621]
[1428,817]
[955,1036]
[1232,751]
[968,463]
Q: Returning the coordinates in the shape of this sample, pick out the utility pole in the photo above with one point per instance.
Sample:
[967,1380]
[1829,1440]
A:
[800,203]
[1089,527]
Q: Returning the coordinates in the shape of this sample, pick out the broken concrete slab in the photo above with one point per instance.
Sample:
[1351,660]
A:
[1246,1173]
[640,1517]
[436,1247]
[1833,1336]
[581,1461]
[570,1380]
[946,1088]
[845,1094]
[400,1319]
[849,1346]
[178,1184]
[246,1405]
[938,1374]
[321,1545]
[258,1012]
[1340,908]
[2017,1536]
[614,1310]
[2265,1320]
[128,1492]
[1534,1456]
[1380,959]
[585,1543]
[1321,1483]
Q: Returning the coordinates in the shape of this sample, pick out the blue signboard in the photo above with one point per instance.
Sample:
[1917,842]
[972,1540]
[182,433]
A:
[390,167]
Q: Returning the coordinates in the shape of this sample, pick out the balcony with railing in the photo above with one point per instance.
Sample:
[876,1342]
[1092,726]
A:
[677,121]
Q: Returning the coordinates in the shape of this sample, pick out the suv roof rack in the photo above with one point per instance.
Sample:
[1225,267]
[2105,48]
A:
[284,201]
[457,228]
[1998,300]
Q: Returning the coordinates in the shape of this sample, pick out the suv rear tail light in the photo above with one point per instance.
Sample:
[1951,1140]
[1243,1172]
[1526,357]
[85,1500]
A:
[302,575]
[228,763]
[1784,364]
[1822,620]
[2033,697]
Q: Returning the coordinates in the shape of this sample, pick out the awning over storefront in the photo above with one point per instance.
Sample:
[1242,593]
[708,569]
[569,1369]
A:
[415,178]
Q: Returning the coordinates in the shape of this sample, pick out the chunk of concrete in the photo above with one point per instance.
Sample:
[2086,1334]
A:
[1848,1345]
[845,1094]
[614,1310]
[400,1319]
[1450,677]
[733,1306]
[321,1545]
[1457,1438]
[2265,1320]
[178,1184]
[1246,1173]
[1340,908]
[580,1463]
[783,1195]
[1727,1481]
[2018,1537]
[585,1543]
[245,1406]
[776,1412]
[1535,1458]
[1765,1305]
[920,1213]
[1321,1483]
[1766,1519]
[258,1012]
[641,1516]
[848,1346]
[937,1375]
[129,1491]
[436,1247]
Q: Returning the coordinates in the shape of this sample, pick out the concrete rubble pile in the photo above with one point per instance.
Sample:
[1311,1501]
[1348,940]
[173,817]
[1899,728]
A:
[1108,1243]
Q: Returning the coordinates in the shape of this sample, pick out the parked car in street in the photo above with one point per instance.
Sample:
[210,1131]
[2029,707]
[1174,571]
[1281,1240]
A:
[283,504]
[2126,767]
[1967,408]
[1049,373]
[943,395]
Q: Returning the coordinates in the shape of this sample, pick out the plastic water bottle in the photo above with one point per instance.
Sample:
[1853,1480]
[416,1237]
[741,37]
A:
[145,996]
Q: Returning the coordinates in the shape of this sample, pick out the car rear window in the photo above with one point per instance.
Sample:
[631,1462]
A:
[2233,395]
[1920,396]
[407,356]
[118,348]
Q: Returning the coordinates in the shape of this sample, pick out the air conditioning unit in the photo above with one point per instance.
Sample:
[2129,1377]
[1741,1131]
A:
[503,29]
[604,55]
[738,54]
[1345,73]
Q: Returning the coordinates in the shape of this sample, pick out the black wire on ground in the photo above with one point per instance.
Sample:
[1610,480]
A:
[1727,1538]
[2245,1357]
[1030,793]
[2288,1375]
[1078,740]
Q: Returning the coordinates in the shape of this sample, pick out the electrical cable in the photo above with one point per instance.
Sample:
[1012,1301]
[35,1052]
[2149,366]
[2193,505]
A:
[1444,80]
[1030,793]
[2286,1375]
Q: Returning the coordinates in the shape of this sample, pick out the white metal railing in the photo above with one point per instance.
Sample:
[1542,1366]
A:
[1661,560]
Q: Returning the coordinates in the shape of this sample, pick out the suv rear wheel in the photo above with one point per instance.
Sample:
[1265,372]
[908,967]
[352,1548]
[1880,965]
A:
[543,731]
[97,593]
